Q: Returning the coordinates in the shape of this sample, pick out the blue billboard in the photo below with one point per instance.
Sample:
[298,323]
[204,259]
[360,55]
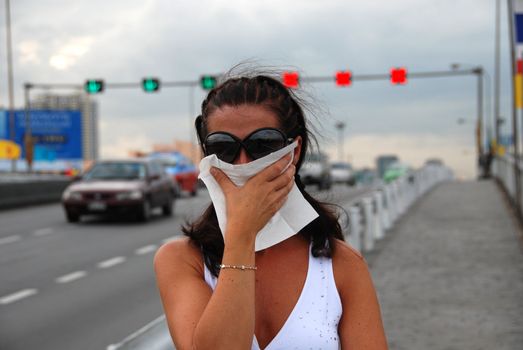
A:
[57,134]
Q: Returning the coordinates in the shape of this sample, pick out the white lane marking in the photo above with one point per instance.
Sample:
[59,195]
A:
[173,238]
[71,277]
[146,249]
[43,231]
[8,299]
[111,262]
[9,239]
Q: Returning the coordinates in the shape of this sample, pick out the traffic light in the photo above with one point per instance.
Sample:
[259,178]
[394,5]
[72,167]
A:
[150,84]
[208,82]
[343,78]
[398,76]
[291,79]
[93,86]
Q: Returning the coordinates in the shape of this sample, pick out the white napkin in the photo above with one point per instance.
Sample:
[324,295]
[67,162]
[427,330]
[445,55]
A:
[295,214]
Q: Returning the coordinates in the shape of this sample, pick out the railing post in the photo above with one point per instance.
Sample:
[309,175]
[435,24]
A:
[386,208]
[368,238]
[400,195]
[378,216]
[393,203]
[355,227]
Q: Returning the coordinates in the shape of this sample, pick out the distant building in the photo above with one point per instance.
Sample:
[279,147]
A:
[89,110]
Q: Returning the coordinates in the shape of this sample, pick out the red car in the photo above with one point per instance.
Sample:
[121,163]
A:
[183,171]
[132,187]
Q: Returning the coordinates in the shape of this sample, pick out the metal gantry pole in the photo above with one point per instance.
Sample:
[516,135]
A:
[497,74]
[10,78]
[480,117]
[515,130]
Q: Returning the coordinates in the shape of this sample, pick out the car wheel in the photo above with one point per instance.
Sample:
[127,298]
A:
[167,209]
[72,217]
[145,211]
[194,192]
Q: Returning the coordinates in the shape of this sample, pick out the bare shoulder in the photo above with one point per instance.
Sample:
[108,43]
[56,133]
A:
[178,254]
[349,266]
[346,254]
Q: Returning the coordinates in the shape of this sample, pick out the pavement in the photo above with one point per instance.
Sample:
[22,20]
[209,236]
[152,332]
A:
[449,275]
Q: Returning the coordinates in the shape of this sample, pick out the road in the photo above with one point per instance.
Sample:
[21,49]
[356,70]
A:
[87,285]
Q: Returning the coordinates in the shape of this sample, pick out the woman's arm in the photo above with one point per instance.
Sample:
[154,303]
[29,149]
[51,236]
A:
[360,326]
[197,317]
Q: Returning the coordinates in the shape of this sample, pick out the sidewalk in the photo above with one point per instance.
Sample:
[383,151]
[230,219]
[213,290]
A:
[450,274]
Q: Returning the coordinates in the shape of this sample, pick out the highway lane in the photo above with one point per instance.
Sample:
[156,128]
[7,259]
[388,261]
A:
[87,285]
[69,247]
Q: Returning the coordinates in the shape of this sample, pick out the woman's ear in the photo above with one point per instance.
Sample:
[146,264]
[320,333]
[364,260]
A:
[297,150]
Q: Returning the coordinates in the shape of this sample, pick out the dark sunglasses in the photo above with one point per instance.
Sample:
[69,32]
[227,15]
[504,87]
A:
[257,144]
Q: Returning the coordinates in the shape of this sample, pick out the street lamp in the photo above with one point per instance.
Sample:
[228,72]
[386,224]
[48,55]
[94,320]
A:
[340,126]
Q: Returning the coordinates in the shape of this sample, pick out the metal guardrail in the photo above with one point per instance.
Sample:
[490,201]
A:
[370,216]
[24,177]
[373,214]
[31,190]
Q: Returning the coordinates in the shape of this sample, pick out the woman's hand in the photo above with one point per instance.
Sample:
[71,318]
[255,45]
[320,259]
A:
[251,206]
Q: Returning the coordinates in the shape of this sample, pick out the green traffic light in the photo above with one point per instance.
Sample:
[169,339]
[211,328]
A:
[150,84]
[208,82]
[94,86]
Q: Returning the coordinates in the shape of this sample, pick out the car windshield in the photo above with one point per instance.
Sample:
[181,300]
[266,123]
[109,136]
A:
[116,171]
[341,166]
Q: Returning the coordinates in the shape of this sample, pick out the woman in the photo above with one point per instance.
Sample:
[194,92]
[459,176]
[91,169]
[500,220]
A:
[218,290]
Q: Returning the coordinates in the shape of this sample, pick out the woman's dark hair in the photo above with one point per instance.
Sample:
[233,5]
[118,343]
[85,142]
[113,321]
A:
[268,92]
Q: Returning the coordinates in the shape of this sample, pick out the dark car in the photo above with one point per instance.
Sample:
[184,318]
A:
[128,187]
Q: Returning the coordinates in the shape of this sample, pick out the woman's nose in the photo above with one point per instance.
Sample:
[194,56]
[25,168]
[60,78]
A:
[242,158]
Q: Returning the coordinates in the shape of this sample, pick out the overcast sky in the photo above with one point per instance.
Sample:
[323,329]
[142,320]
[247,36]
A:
[58,41]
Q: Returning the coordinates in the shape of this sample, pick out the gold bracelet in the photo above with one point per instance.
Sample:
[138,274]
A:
[238,267]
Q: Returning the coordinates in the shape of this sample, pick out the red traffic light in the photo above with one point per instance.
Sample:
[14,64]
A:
[343,78]
[291,79]
[398,76]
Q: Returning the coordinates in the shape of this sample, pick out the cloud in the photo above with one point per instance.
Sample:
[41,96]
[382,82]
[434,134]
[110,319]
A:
[29,51]
[68,54]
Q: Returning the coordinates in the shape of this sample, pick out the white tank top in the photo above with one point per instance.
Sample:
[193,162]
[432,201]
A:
[313,323]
